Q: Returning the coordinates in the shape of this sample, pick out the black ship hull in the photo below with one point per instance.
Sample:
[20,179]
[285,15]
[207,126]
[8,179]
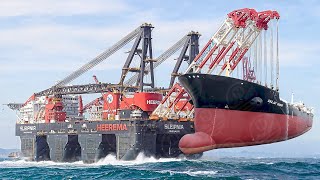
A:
[231,112]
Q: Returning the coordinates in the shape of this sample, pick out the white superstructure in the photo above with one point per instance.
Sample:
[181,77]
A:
[33,111]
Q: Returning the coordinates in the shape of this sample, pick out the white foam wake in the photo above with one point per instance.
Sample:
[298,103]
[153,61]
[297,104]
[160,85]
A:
[24,164]
[190,172]
[109,160]
[141,159]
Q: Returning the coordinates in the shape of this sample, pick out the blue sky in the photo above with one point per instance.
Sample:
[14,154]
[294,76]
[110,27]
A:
[42,41]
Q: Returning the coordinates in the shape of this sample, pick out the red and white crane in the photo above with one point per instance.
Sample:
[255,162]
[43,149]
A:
[225,49]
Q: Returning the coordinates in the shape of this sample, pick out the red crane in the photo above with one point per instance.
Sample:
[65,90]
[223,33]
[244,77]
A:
[248,72]
[237,33]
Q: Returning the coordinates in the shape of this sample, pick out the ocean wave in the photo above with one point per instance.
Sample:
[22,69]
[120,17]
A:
[24,164]
[140,159]
[152,168]
[190,172]
[108,160]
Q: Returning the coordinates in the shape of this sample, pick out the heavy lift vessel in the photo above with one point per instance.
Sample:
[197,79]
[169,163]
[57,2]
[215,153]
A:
[52,125]
[240,108]
[238,104]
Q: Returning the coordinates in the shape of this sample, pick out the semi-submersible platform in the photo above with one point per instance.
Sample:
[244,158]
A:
[55,125]
[208,110]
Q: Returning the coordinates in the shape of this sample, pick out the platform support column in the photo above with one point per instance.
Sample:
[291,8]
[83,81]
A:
[57,144]
[141,139]
[28,149]
[89,147]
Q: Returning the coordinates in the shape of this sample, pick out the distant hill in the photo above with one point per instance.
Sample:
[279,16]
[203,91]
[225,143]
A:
[6,152]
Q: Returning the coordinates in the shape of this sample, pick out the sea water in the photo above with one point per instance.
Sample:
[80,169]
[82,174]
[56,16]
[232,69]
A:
[151,168]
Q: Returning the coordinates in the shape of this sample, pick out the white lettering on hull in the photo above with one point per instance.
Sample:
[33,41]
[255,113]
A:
[173,126]
[154,102]
[275,103]
[27,128]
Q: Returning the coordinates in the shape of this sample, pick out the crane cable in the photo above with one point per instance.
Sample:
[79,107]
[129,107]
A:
[255,60]
[271,55]
[265,58]
[277,55]
[99,58]
[260,59]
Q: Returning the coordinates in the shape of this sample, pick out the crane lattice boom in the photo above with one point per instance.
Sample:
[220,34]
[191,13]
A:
[97,60]
[236,34]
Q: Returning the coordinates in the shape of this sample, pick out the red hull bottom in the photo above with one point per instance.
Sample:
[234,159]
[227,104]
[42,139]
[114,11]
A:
[221,128]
